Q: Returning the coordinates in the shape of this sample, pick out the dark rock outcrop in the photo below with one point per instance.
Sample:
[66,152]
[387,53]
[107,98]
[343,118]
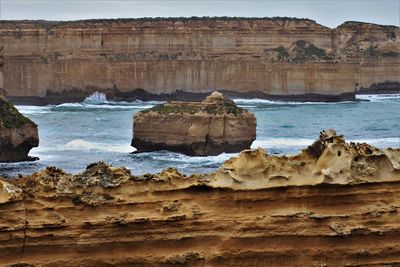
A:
[210,127]
[18,134]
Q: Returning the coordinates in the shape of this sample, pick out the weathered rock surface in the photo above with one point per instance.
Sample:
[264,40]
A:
[329,160]
[211,127]
[318,208]
[18,134]
[167,58]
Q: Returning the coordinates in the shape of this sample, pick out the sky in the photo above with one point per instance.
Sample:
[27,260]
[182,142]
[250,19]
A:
[327,12]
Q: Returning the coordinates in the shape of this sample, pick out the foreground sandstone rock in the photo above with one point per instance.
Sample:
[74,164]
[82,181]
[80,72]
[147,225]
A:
[211,127]
[318,208]
[275,58]
[329,160]
[18,134]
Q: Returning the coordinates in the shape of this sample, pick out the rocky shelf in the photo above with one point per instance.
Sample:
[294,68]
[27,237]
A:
[334,204]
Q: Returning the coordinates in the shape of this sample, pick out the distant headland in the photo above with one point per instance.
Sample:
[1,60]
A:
[187,58]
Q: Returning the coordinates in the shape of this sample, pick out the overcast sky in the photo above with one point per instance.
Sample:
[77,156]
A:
[327,12]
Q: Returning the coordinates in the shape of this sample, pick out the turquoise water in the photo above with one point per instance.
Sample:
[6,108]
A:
[75,134]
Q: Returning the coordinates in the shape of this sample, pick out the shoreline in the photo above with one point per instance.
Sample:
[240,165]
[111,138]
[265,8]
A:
[196,97]
[142,95]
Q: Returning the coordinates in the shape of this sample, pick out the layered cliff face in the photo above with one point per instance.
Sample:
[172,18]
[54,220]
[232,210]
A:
[211,127]
[18,134]
[317,208]
[173,58]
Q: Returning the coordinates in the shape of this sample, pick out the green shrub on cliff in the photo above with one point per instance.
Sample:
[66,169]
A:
[282,52]
[169,109]
[308,50]
[10,116]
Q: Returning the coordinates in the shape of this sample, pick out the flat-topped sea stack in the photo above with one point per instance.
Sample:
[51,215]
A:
[187,58]
[18,134]
[210,127]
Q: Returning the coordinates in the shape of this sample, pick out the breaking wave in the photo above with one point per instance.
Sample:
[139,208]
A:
[80,144]
[249,103]
[284,144]
[372,98]
[96,98]
[378,98]
[33,109]
[99,101]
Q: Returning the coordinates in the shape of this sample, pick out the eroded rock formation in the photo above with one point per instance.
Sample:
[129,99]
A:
[18,134]
[211,127]
[283,58]
[317,208]
[329,160]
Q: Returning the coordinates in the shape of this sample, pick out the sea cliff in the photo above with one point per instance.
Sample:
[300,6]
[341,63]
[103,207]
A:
[186,58]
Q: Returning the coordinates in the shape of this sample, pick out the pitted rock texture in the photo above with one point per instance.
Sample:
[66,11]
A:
[284,58]
[329,160]
[266,211]
[211,127]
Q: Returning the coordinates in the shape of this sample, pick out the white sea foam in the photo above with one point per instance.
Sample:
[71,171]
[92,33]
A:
[378,98]
[80,144]
[112,105]
[180,158]
[33,109]
[99,100]
[96,98]
[246,102]
[381,142]
[284,143]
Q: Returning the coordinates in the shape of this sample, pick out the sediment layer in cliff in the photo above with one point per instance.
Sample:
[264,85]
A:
[211,127]
[318,208]
[18,134]
[277,58]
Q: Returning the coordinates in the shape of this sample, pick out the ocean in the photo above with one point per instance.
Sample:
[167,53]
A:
[73,135]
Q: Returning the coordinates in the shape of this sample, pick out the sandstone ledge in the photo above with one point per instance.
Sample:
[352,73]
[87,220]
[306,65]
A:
[273,210]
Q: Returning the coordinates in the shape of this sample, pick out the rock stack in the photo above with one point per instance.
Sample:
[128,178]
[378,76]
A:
[18,134]
[210,127]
